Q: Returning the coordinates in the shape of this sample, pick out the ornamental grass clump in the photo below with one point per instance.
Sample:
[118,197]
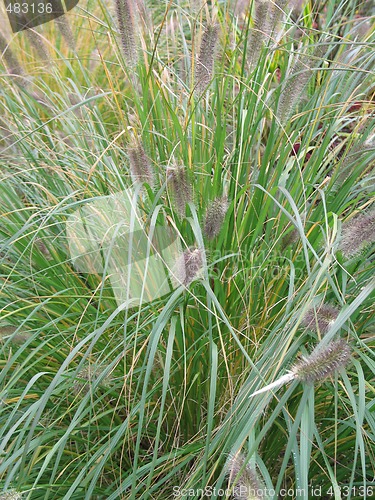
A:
[214,217]
[178,181]
[320,319]
[140,165]
[247,485]
[357,234]
[125,11]
[184,351]
[204,68]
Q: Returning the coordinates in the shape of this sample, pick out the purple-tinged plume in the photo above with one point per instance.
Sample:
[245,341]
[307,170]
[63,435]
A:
[357,234]
[179,183]
[125,10]
[206,58]
[245,481]
[188,266]
[214,217]
[140,165]
[321,318]
[323,362]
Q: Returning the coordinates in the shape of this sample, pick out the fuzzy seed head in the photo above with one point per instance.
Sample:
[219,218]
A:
[276,13]
[351,156]
[206,57]
[259,33]
[357,234]
[82,384]
[214,217]
[178,180]
[37,42]
[19,338]
[323,362]
[43,249]
[11,61]
[86,377]
[297,80]
[11,495]
[140,167]
[246,483]
[188,266]
[322,318]
[65,29]
[125,10]
[290,238]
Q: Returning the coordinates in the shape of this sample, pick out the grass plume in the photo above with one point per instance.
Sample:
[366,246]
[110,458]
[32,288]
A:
[65,29]
[11,61]
[188,266]
[177,179]
[140,165]
[323,362]
[245,479]
[214,217]
[206,58]
[358,233]
[322,318]
[297,79]
[126,11]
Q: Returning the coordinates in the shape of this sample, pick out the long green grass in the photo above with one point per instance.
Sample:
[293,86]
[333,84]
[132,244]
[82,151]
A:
[101,401]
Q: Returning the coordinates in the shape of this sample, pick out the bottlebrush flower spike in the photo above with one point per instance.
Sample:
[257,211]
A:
[214,217]
[351,157]
[86,378]
[260,32]
[357,234]
[323,362]
[245,479]
[323,317]
[125,10]
[276,14]
[8,331]
[65,29]
[37,42]
[297,80]
[188,266]
[140,166]
[11,61]
[205,63]
[11,495]
[182,192]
